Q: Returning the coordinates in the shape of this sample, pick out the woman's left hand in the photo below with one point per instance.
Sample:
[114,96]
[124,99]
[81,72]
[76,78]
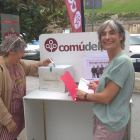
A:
[46,62]
[80,94]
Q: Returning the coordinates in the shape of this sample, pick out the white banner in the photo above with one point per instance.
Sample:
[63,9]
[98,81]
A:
[69,49]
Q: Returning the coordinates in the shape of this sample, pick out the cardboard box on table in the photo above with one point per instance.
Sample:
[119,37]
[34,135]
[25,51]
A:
[49,77]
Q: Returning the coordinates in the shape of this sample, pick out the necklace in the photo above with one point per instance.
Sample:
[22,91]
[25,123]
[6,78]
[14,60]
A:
[16,80]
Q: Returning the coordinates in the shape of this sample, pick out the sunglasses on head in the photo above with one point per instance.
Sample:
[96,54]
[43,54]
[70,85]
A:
[13,43]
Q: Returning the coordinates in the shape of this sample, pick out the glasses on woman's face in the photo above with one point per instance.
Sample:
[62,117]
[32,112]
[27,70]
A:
[18,81]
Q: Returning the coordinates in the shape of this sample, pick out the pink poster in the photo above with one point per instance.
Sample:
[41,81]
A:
[94,65]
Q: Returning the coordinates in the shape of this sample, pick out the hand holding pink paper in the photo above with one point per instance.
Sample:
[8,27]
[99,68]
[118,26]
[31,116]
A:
[71,85]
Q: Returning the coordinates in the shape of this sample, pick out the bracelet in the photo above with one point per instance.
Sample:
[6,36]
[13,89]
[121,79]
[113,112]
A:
[85,97]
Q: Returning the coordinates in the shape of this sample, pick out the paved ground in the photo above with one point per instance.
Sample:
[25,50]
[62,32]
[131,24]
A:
[33,83]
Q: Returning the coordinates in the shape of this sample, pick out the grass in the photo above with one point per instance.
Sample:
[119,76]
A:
[118,6]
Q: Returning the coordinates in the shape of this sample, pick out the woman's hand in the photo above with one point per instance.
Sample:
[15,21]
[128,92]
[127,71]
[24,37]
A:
[92,85]
[80,94]
[11,127]
[46,62]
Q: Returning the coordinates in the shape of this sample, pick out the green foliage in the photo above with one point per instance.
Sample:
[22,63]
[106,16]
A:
[101,17]
[118,6]
[125,9]
[36,16]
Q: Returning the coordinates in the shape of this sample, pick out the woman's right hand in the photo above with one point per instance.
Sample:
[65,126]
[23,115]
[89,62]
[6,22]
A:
[11,127]
[92,85]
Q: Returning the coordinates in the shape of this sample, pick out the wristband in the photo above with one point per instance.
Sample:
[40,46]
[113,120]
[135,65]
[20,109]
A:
[85,97]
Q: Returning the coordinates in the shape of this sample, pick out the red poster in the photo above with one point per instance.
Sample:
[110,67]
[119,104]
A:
[11,32]
[74,12]
[9,25]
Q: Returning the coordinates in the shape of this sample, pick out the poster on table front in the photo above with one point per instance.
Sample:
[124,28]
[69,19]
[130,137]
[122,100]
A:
[94,65]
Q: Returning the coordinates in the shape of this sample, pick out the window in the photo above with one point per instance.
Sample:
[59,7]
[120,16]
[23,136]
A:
[134,40]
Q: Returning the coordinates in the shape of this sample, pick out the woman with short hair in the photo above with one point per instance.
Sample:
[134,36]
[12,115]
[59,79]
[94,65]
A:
[115,87]
[13,72]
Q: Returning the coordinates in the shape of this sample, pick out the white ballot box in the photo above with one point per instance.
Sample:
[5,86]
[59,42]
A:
[49,77]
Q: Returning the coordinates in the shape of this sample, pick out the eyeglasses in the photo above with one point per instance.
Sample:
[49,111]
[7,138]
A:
[12,44]
[18,81]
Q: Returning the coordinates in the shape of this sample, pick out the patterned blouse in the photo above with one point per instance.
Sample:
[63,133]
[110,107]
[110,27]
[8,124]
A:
[16,104]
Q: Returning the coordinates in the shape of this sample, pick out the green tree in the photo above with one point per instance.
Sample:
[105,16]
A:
[36,16]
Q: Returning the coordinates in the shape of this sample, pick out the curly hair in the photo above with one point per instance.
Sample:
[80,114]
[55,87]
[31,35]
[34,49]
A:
[13,43]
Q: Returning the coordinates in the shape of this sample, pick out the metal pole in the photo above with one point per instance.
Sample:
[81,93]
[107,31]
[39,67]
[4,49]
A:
[87,22]
[82,13]
[92,19]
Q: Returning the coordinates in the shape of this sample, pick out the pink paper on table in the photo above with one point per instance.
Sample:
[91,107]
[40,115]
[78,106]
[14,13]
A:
[71,85]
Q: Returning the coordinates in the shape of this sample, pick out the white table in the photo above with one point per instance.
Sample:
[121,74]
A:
[55,116]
